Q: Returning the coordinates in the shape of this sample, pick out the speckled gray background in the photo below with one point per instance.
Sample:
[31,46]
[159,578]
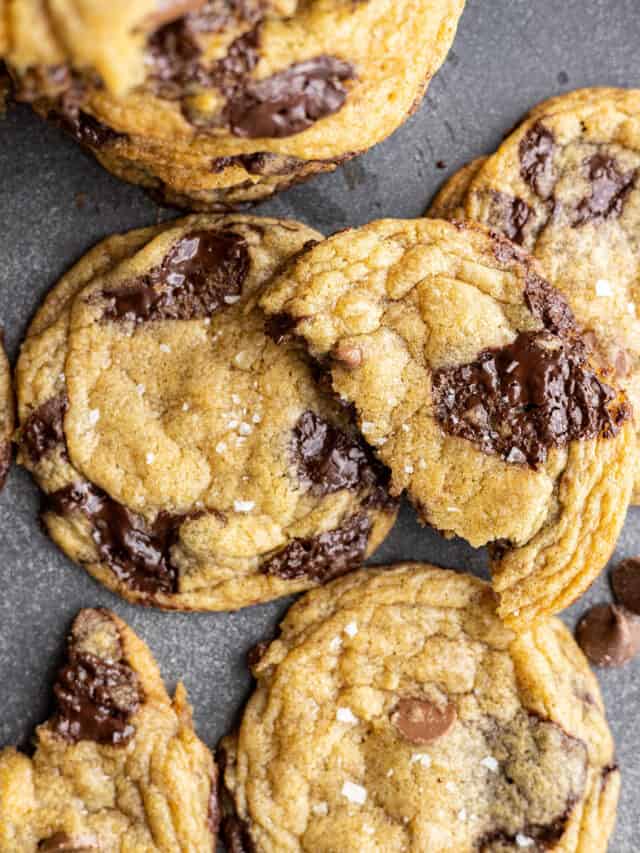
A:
[55,202]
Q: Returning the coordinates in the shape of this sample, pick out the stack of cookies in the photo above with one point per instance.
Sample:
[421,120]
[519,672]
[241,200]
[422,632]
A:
[225,409]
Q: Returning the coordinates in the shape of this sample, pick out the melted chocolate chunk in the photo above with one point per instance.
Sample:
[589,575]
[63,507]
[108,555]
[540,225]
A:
[510,214]
[609,635]
[610,189]
[290,101]
[138,554]
[203,271]
[543,836]
[43,430]
[548,306]
[96,700]
[6,454]
[536,160]
[328,460]
[625,580]
[524,398]
[323,557]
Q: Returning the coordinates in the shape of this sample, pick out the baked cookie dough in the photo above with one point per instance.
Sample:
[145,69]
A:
[213,103]
[395,712]
[6,414]
[565,186]
[118,767]
[470,379]
[188,460]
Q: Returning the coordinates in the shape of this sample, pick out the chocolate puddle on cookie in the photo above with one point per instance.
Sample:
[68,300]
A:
[95,700]
[520,400]
[137,553]
[202,273]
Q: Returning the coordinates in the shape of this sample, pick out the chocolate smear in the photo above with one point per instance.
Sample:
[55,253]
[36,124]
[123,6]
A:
[421,722]
[137,553]
[625,580]
[609,635]
[324,557]
[290,101]
[201,274]
[520,400]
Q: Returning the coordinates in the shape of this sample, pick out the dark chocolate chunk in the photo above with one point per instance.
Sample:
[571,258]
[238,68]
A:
[323,557]
[290,101]
[548,305]
[520,400]
[82,126]
[63,843]
[610,189]
[43,430]
[96,700]
[203,272]
[138,553]
[328,460]
[625,580]
[609,635]
[236,836]
[536,160]
[510,214]
[280,327]
[420,721]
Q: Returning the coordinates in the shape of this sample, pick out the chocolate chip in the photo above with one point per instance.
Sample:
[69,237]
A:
[138,553]
[236,836]
[290,101]
[536,160]
[610,189]
[520,400]
[625,580]
[96,700]
[43,430]
[63,843]
[260,163]
[201,274]
[84,128]
[609,635]
[421,721]
[510,214]
[324,557]
[548,305]
[328,460]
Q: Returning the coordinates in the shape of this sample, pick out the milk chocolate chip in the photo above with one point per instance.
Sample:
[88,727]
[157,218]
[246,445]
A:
[324,557]
[201,274]
[96,700]
[625,580]
[609,635]
[290,101]
[520,400]
[422,722]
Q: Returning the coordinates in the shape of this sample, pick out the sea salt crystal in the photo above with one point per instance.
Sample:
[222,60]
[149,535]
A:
[185,407]
[245,429]
[320,809]
[221,447]
[346,715]
[421,758]
[408,469]
[231,300]
[150,458]
[140,389]
[603,287]
[335,644]
[351,629]
[524,840]
[354,793]
[94,416]
[243,506]
[165,348]
[462,814]
[490,763]
[256,418]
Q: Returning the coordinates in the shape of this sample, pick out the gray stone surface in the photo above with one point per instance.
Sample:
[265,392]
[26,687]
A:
[55,202]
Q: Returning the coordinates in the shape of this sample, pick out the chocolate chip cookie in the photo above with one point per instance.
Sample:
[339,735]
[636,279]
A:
[473,385]
[211,103]
[188,460]
[565,186]
[395,712]
[6,415]
[118,766]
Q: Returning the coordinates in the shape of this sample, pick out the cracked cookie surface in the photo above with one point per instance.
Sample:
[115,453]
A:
[118,767]
[565,186]
[7,416]
[470,380]
[395,712]
[188,460]
[212,103]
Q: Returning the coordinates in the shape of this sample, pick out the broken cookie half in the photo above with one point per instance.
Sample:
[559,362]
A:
[118,766]
[471,380]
